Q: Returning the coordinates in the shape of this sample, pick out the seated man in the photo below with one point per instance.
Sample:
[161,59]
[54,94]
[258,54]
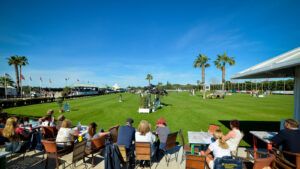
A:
[288,137]
[126,135]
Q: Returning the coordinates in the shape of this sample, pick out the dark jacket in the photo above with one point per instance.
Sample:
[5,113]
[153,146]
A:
[113,157]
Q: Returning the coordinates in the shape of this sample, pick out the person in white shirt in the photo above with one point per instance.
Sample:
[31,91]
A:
[219,148]
[234,136]
[144,134]
[65,134]
[47,121]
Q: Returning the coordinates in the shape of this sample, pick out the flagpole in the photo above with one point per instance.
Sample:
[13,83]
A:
[30,86]
[5,86]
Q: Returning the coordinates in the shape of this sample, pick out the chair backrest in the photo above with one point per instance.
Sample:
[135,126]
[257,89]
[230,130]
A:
[181,137]
[142,151]
[114,133]
[194,162]
[98,143]
[292,158]
[123,152]
[260,163]
[49,132]
[212,128]
[50,146]
[171,140]
[79,151]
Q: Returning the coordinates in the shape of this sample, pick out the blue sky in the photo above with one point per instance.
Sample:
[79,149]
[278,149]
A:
[107,42]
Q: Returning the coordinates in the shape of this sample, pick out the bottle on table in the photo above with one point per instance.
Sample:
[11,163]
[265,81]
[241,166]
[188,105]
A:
[79,126]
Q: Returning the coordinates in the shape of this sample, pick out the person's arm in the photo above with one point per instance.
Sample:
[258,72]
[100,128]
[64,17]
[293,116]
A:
[228,136]
[205,153]
[278,139]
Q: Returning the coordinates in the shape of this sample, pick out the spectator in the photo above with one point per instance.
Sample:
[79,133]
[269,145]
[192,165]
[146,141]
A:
[60,119]
[91,134]
[50,113]
[144,134]
[12,132]
[47,121]
[219,148]
[234,136]
[65,134]
[162,131]
[126,135]
[288,137]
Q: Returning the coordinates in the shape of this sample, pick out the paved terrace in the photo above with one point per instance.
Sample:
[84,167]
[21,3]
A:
[33,160]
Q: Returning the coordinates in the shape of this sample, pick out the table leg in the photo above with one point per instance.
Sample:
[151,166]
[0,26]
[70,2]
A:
[269,146]
[255,146]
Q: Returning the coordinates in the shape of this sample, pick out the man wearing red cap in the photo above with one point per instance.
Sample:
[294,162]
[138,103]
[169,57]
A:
[162,131]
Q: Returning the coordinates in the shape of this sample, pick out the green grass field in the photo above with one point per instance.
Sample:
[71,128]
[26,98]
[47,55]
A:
[190,113]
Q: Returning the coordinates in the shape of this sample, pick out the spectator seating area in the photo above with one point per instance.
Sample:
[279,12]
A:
[40,149]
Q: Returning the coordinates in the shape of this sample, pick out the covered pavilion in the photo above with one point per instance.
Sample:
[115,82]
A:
[282,66]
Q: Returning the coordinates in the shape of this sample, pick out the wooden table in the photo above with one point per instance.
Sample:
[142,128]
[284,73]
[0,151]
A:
[264,136]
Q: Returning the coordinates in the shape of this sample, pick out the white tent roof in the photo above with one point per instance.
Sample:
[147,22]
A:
[116,86]
[280,66]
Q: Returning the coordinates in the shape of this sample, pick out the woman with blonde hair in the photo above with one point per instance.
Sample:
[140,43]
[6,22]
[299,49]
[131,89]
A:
[219,148]
[9,129]
[65,134]
[12,132]
[144,134]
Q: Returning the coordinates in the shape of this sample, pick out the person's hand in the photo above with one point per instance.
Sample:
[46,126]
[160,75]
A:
[202,153]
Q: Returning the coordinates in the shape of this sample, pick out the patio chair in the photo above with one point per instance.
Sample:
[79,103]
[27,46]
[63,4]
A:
[195,162]
[49,132]
[97,144]
[212,128]
[142,152]
[124,154]
[286,160]
[114,133]
[78,153]
[171,147]
[52,152]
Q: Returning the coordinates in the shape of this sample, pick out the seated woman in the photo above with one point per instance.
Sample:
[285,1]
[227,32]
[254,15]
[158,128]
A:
[47,121]
[91,134]
[13,132]
[234,136]
[162,131]
[219,148]
[60,119]
[65,134]
[144,134]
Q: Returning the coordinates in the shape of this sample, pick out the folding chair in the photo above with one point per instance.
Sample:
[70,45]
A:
[142,152]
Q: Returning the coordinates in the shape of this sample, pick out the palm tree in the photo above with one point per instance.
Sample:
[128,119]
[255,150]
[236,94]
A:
[6,81]
[201,62]
[149,78]
[221,62]
[23,62]
[15,61]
